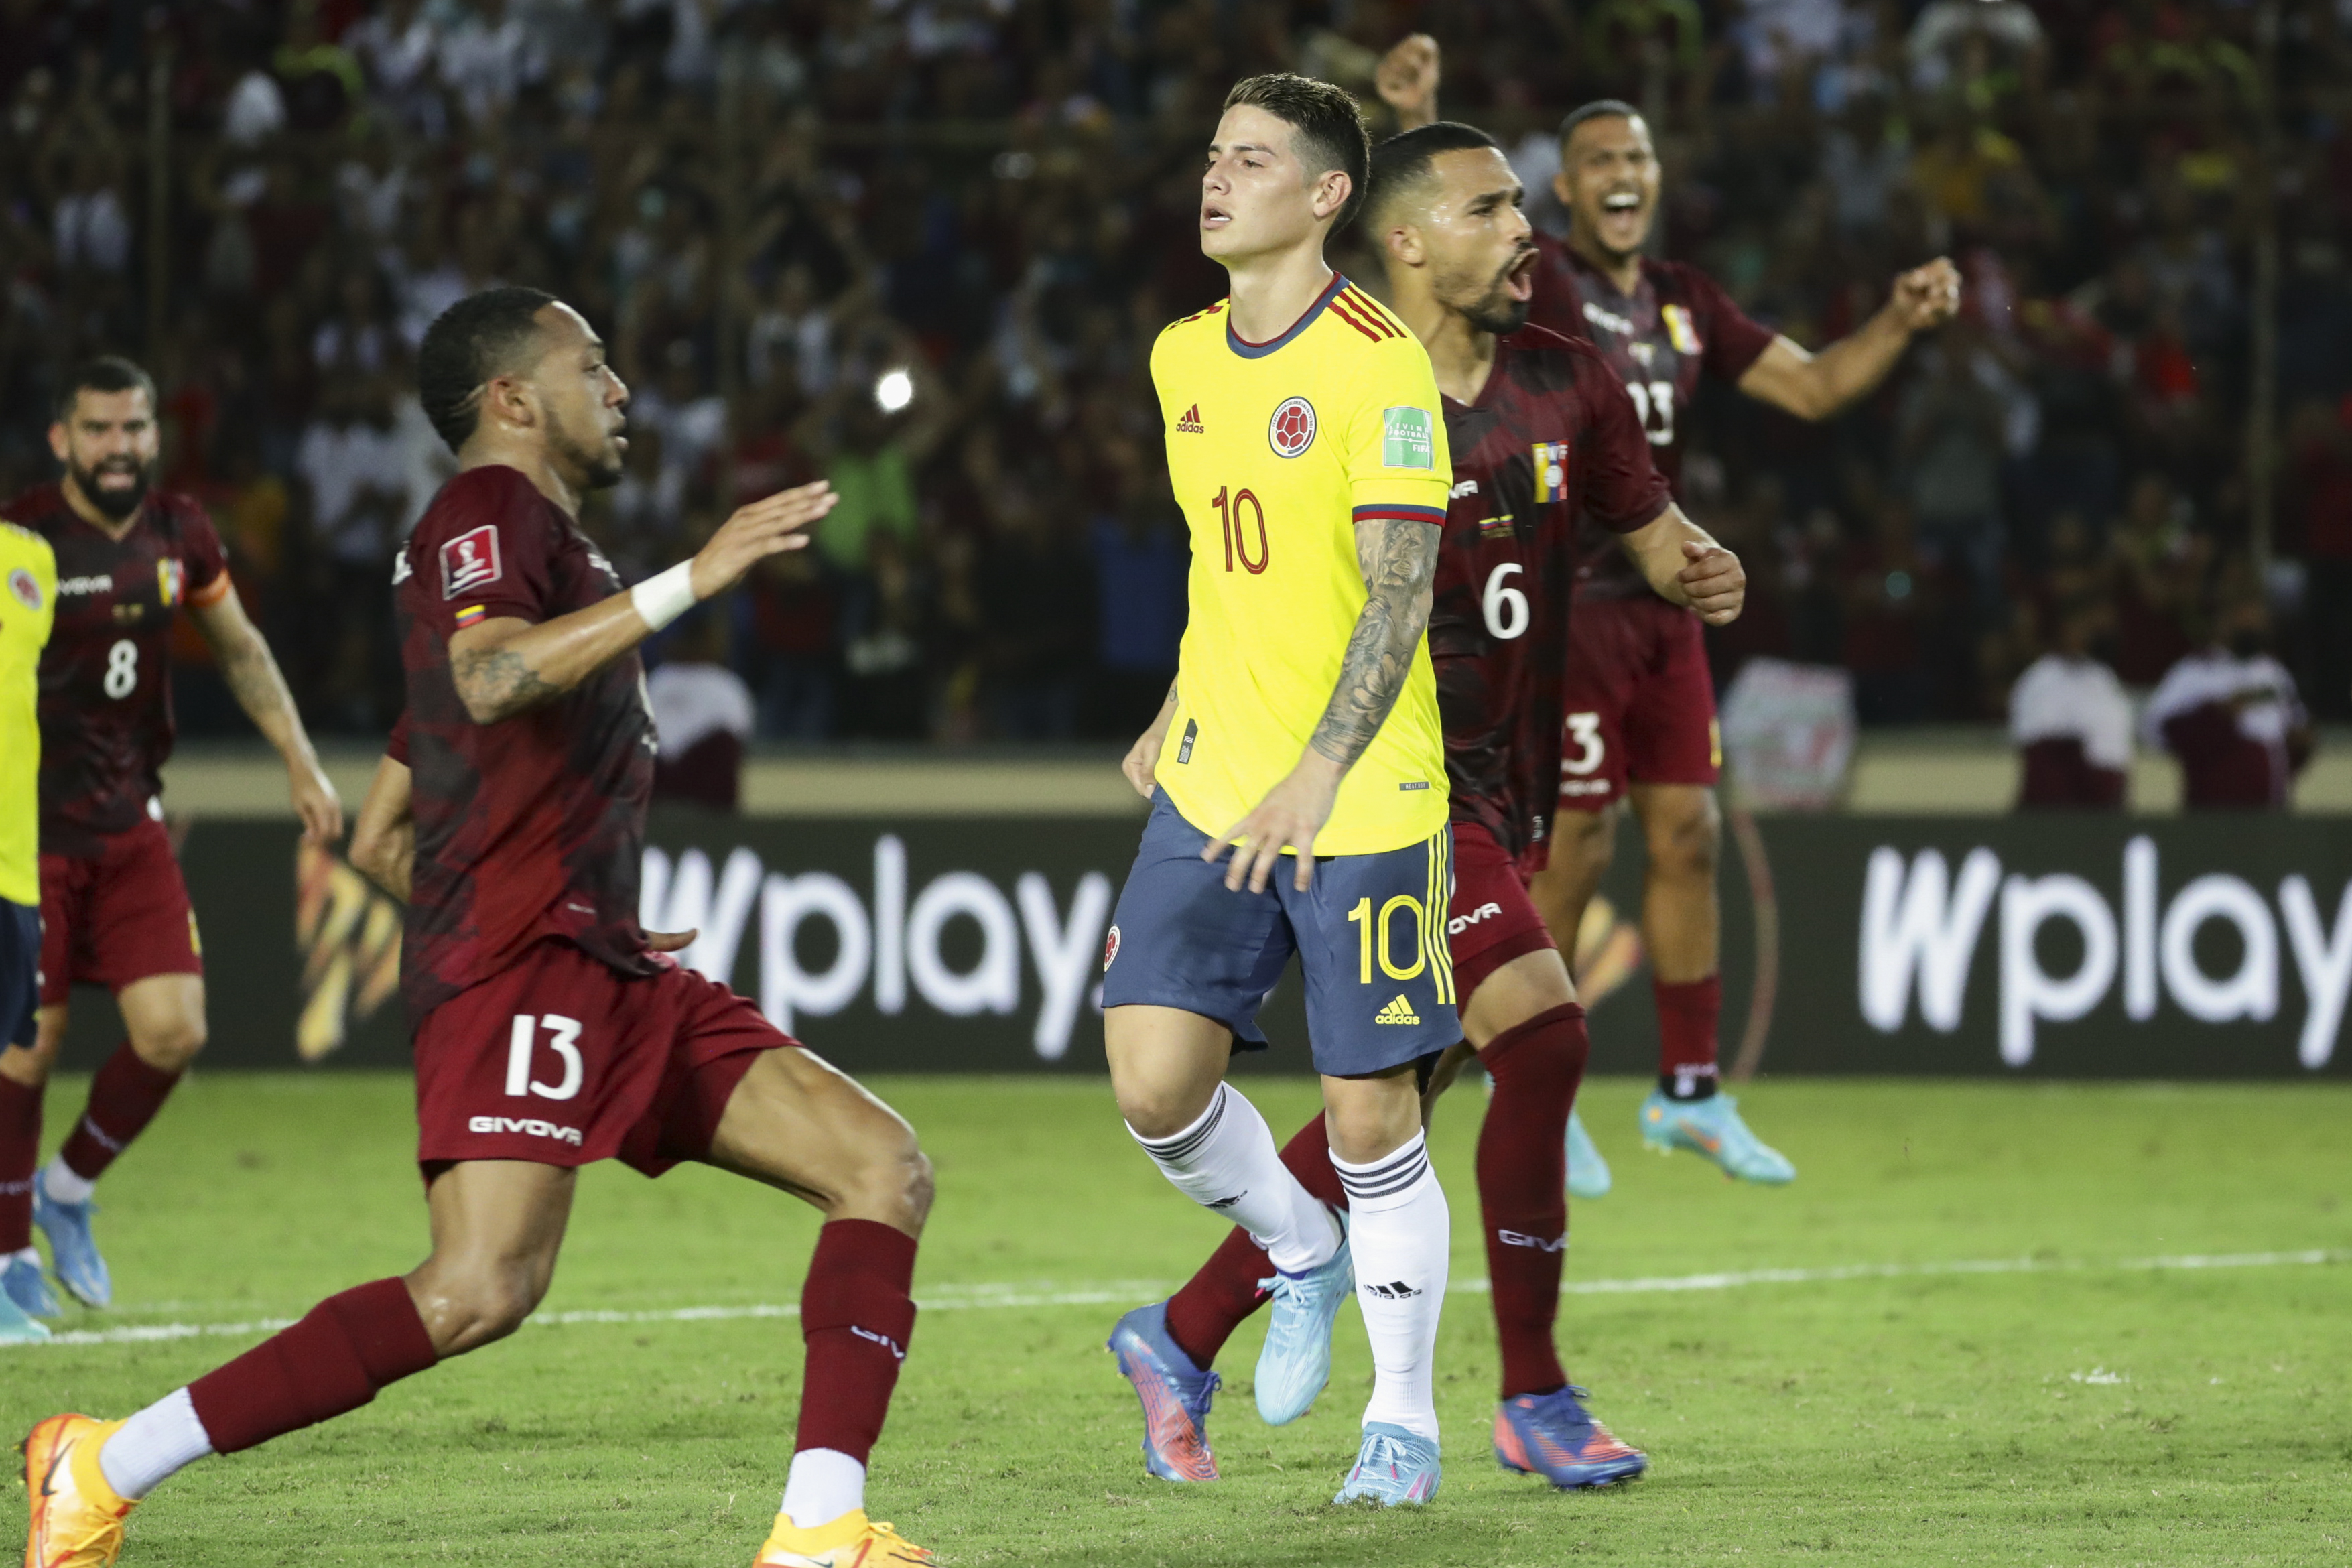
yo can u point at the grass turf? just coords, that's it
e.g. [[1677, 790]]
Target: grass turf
[[2068, 1415]]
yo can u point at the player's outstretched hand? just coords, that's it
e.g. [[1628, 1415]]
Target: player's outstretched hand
[[670, 941], [1407, 79], [315, 802], [1289, 817], [1927, 296], [766, 527], [1714, 582]]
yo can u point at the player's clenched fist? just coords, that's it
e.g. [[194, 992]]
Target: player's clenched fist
[[766, 527], [1713, 582], [1928, 296]]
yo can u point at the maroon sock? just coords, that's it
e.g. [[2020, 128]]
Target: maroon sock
[[1221, 1298], [857, 1316], [1523, 1187], [349, 1349], [124, 1099], [20, 1151], [1687, 1017]]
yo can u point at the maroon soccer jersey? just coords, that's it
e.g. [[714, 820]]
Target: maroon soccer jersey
[[533, 826], [1553, 436], [1677, 324], [106, 699]]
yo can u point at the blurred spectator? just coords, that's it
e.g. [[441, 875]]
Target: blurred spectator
[[2072, 722], [702, 717], [2230, 713]]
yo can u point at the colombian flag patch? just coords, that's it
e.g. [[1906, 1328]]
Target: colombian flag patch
[[470, 613]]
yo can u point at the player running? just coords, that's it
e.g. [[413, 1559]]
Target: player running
[[551, 1030], [29, 602], [1641, 703], [114, 909], [1541, 433], [1305, 448]]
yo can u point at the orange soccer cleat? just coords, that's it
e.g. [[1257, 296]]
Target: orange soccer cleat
[[76, 1517]]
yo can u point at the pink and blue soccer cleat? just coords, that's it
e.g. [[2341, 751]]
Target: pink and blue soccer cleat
[[1553, 1435], [1392, 1468], [1175, 1396]]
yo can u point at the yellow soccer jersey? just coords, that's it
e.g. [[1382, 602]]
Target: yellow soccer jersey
[[28, 604], [1277, 451]]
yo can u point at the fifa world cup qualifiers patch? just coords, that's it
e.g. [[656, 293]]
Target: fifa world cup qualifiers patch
[[1406, 441], [470, 561]]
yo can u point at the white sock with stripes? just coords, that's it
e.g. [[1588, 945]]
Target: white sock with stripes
[[1227, 1162], [1402, 1234]]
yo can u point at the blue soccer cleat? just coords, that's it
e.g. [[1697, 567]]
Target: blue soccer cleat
[[1553, 1435], [1588, 1172], [21, 1282], [73, 1251], [17, 1327], [1175, 1396], [1393, 1466], [1295, 1361], [1712, 1127]]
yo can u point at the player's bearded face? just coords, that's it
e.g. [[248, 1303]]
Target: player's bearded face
[[111, 449], [1481, 243], [1609, 182]]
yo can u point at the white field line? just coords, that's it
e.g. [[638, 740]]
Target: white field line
[[976, 1298]]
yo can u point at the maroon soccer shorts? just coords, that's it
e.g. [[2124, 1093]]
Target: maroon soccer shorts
[[1491, 921], [561, 1060], [1640, 703], [121, 917]]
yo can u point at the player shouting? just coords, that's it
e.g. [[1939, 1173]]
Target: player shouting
[[550, 1031], [1541, 432], [1305, 448], [1640, 704], [114, 910]]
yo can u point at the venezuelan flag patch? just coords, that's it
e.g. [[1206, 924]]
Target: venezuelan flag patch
[[470, 613]]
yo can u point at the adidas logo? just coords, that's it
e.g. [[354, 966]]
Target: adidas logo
[[1191, 424], [1394, 1290], [1228, 1203], [1397, 1012]]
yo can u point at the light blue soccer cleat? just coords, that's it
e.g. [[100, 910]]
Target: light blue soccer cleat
[[1588, 1172], [1712, 1127], [73, 1252], [21, 1282], [1297, 1361], [1393, 1466], [1175, 1396], [16, 1326]]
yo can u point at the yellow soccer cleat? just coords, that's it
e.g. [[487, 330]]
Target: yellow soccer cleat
[[853, 1541], [76, 1517]]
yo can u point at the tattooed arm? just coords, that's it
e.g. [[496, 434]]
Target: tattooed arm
[[1399, 560], [253, 677]]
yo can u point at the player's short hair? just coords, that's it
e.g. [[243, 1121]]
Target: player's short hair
[[1328, 125], [1599, 108], [107, 373], [1403, 165], [473, 341]]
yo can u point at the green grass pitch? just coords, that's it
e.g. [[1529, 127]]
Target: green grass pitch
[[2078, 1409]]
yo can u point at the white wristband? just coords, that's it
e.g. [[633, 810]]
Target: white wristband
[[665, 597]]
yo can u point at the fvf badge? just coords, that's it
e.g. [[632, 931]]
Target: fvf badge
[[1551, 470]]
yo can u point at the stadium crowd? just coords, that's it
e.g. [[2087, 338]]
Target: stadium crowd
[[922, 248]]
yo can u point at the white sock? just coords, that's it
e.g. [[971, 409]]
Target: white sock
[[822, 1484], [27, 1253], [1227, 1162], [63, 1185], [1401, 1234], [165, 1438]]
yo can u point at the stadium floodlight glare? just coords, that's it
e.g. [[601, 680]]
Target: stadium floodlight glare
[[894, 390]]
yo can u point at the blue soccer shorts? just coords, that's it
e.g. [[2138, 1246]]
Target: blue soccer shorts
[[20, 970], [1370, 933]]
